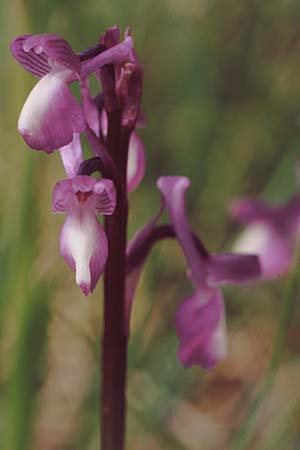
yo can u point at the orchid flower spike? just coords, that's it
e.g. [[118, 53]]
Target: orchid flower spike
[[51, 115], [271, 232], [83, 243], [200, 319]]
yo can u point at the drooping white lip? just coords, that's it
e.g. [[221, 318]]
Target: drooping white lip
[[83, 242], [80, 241]]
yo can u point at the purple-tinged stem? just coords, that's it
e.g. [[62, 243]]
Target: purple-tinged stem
[[114, 342]]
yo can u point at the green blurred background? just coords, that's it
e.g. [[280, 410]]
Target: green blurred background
[[222, 96]]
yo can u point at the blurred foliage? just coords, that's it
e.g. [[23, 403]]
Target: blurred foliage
[[222, 97]]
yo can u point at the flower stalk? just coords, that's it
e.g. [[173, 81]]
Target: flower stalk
[[114, 340]]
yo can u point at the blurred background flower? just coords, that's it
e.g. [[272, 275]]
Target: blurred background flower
[[222, 98]]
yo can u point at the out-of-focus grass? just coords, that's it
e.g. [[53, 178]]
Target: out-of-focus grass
[[222, 96], [243, 437], [24, 291], [24, 314]]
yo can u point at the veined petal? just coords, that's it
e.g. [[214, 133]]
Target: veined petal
[[173, 189], [50, 114], [37, 54], [60, 196], [232, 268], [33, 62], [136, 162], [83, 244], [106, 196], [84, 192], [200, 325], [71, 155]]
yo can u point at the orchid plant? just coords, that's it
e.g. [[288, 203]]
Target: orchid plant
[[52, 119]]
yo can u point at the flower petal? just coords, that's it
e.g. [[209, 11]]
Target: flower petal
[[271, 233], [61, 192], [110, 37], [83, 244], [104, 122], [173, 189], [275, 252], [232, 268], [71, 155], [129, 87], [249, 210], [50, 114], [106, 196], [114, 55], [136, 162], [35, 63], [89, 108], [37, 53], [200, 325], [283, 217], [102, 194]]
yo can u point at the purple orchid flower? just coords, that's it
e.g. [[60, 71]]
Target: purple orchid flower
[[51, 115], [271, 232], [200, 319], [83, 243]]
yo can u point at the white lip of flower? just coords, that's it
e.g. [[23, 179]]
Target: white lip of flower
[[38, 101], [81, 239]]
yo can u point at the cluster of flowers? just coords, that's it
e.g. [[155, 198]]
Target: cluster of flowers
[[51, 119]]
